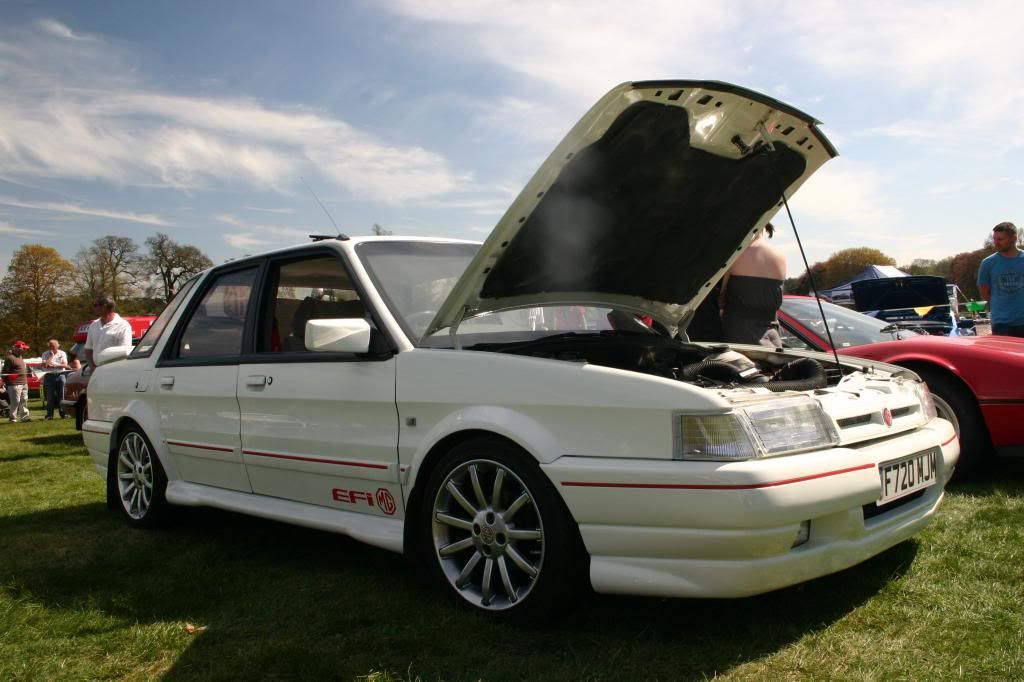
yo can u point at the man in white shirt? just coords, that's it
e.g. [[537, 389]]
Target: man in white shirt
[[109, 331], [55, 361]]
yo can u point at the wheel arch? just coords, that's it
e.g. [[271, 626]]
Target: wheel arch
[[139, 414], [924, 367], [429, 461]]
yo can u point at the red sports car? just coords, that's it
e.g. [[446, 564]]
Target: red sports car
[[977, 381]]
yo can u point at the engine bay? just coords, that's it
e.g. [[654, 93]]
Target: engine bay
[[715, 366]]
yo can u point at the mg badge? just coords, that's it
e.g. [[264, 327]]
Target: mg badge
[[887, 417]]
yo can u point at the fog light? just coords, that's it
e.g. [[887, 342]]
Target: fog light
[[803, 534]]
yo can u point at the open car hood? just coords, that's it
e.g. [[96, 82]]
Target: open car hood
[[645, 203]]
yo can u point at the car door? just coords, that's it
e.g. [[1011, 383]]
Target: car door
[[197, 379], [317, 427]]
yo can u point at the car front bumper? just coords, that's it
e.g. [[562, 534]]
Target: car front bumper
[[727, 529]]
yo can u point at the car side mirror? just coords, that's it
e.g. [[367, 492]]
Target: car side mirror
[[350, 335], [108, 355]]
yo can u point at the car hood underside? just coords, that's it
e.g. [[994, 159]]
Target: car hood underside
[[644, 204]]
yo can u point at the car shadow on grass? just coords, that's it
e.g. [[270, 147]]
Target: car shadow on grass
[[288, 602], [71, 440], [1001, 475]]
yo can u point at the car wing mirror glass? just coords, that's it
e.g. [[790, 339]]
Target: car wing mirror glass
[[108, 355], [349, 335]]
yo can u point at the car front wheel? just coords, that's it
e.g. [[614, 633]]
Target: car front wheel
[[956, 404], [495, 535], [136, 482]]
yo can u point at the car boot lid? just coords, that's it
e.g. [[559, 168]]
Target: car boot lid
[[645, 203]]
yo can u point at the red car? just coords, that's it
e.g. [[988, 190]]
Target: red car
[[74, 390], [977, 381]]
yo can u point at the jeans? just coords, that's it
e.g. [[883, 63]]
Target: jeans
[[54, 385], [1008, 330]]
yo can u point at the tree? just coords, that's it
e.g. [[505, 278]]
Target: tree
[[925, 266], [840, 267], [964, 270], [843, 265], [32, 296], [110, 267], [380, 231], [172, 264]]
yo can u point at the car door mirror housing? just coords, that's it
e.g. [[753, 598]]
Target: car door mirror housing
[[108, 355], [349, 335]]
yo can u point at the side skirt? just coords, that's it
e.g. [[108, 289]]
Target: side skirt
[[379, 532]]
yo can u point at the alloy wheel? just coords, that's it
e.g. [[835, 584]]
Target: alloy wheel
[[488, 534], [135, 475]]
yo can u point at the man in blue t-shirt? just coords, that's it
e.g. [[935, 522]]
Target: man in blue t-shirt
[[1001, 282]]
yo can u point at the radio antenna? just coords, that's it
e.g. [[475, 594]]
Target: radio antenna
[[321, 205]]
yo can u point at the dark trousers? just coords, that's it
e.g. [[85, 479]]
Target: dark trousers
[[1007, 330], [53, 384]]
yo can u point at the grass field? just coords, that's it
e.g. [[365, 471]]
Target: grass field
[[221, 596]]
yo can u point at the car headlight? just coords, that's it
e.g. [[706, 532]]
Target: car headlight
[[924, 395], [768, 429]]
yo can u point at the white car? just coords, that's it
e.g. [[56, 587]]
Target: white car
[[507, 415]]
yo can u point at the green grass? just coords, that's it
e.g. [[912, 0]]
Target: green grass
[[82, 596]]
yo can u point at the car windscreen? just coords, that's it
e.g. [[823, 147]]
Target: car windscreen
[[848, 327], [415, 278]]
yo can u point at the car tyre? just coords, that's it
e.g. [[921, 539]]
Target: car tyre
[[494, 534], [955, 403], [80, 414], [136, 482]]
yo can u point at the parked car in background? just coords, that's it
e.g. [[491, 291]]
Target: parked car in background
[[498, 413], [977, 382], [74, 402], [920, 301]]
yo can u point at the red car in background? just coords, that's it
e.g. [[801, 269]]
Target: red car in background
[[977, 382], [74, 390]]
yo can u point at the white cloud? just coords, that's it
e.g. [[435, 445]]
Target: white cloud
[[845, 194], [7, 228], [77, 209], [583, 48], [246, 240], [74, 108], [260, 235], [269, 210]]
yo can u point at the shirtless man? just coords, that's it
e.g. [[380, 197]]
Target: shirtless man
[[752, 293]]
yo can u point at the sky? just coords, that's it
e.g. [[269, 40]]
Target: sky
[[215, 122]]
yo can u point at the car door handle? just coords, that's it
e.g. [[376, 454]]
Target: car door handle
[[256, 380], [166, 382]]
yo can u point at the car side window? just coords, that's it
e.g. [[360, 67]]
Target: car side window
[[217, 324], [791, 340], [312, 288], [144, 347]]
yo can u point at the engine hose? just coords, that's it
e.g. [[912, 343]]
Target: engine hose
[[711, 369], [802, 374]]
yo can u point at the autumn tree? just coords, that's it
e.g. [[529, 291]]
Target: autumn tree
[[172, 264], [840, 267], [32, 296]]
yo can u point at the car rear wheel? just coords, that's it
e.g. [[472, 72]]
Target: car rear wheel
[[136, 482], [956, 404], [494, 533]]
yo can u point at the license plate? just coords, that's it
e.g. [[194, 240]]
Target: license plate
[[902, 477]]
